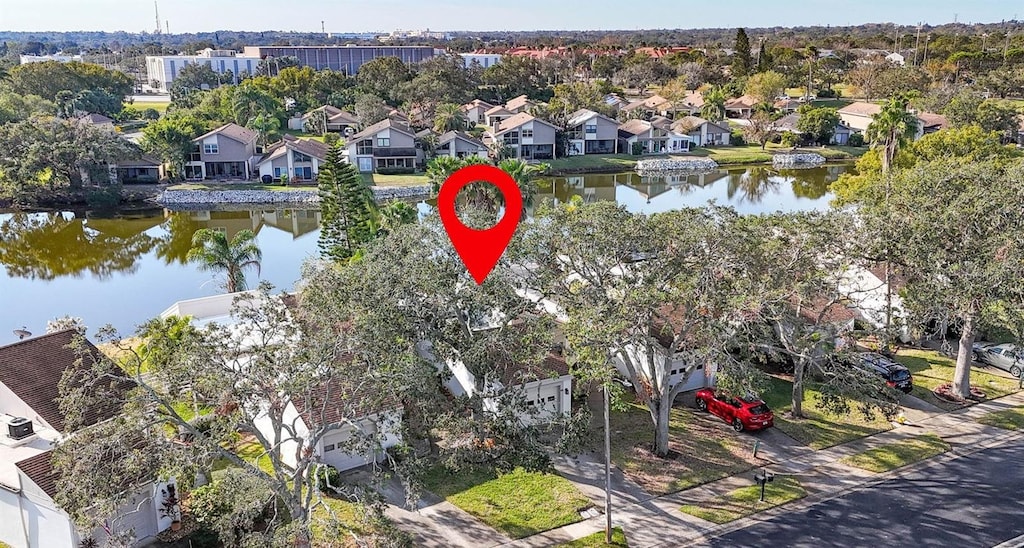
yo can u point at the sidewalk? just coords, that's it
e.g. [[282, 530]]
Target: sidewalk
[[656, 521]]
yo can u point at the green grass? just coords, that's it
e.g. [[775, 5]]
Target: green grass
[[821, 429], [376, 179], [593, 163], [831, 103], [898, 454], [518, 504], [159, 107], [239, 186], [930, 369], [334, 522], [252, 451], [746, 501], [1007, 419], [597, 540], [702, 450]]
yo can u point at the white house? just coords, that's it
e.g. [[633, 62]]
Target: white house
[[299, 159], [458, 144], [476, 111], [485, 60], [25, 59], [656, 136], [896, 59], [529, 137], [865, 291], [591, 133], [31, 425], [366, 431]]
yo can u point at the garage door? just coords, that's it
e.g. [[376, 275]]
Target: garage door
[[546, 400]]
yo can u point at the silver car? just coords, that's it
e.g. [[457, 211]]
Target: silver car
[[1003, 356]]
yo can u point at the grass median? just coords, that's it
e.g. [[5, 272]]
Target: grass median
[[1007, 419], [747, 500], [597, 540], [899, 454]]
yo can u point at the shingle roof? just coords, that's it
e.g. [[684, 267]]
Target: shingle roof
[[861, 108], [517, 103], [337, 399], [635, 126], [33, 368], [309, 147], [329, 109], [40, 471], [552, 366], [94, 118], [496, 110], [741, 102], [477, 103], [452, 135], [387, 123], [931, 120], [518, 120], [232, 131]]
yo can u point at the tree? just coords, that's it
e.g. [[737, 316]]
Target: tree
[[47, 78], [233, 379], [525, 175], [249, 102], [741, 61], [966, 144], [170, 139], [891, 128], [999, 117], [864, 78], [346, 206], [395, 214], [383, 76], [954, 228], [449, 117], [64, 323], [764, 58], [570, 97], [212, 250], [15, 107], [195, 76], [513, 76], [714, 104], [962, 109], [646, 294], [370, 109], [819, 123], [96, 101], [766, 86], [760, 128]]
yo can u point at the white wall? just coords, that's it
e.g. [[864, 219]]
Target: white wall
[[11, 404], [290, 416]]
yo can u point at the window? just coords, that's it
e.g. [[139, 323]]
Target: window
[[300, 157], [329, 447], [591, 128], [195, 155], [511, 138], [383, 142], [364, 147], [551, 398], [527, 134], [277, 173], [210, 148]]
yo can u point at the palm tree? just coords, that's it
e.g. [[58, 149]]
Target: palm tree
[[266, 125], [714, 104], [248, 102], [449, 117], [525, 175], [440, 168], [891, 128], [212, 250], [394, 214]]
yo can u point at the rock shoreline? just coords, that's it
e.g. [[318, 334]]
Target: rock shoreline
[[803, 159], [675, 165], [174, 198]]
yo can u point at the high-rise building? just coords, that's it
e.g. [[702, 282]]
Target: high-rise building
[[345, 59], [161, 70]]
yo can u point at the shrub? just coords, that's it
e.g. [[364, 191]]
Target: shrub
[[637, 149], [829, 93], [736, 138], [396, 170], [104, 196], [855, 140], [789, 139], [328, 478], [330, 139], [150, 114]]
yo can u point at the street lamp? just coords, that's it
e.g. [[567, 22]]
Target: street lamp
[[608, 461], [763, 478]]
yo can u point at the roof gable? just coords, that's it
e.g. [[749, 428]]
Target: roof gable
[[33, 368], [453, 135], [40, 470], [232, 131], [518, 120], [861, 108], [387, 123]]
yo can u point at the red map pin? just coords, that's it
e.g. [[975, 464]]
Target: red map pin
[[480, 249]]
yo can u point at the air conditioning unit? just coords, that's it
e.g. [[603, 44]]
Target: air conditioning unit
[[19, 428]]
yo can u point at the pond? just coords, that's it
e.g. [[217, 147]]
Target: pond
[[126, 266]]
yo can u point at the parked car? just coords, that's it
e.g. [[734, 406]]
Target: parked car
[[1003, 356], [747, 413], [895, 374]]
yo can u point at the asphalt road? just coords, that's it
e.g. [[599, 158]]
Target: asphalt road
[[976, 500]]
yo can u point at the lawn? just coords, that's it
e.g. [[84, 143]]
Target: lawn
[[930, 369], [593, 163], [898, 454], [820, 429], [1008, 419], [376, 179], [239, 186], [251, 451], [702, 450], [597, 540], [518, 504], [745, 501], [332, 522], [143, 105]]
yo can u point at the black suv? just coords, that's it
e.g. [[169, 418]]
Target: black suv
[[895, 374]]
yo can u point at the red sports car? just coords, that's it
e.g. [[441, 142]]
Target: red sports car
[[742, 413]]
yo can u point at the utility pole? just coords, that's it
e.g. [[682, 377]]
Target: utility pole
[[323, 28], [917, 44], [156, 10], [608, 468]]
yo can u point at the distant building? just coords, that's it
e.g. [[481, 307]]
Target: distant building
[[161, 70], [484, 59], [26, 59], [345, 59], [405, 34]]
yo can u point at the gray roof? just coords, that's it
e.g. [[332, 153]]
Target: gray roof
[[584, 114], [387, 123], [232, 131], [452, 135]]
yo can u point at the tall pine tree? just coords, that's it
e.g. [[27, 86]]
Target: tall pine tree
[[764, 59], [348, 211], [741, 62]]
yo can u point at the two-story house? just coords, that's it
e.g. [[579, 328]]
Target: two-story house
[[519, 104], [655, 105], [228, 152], [591, 133], [298, 159], [702, 132], [475, 111], [495, 115], [31, 426], [332, 118], [458, 144], [651, 137], [388, 145], [529, 137]]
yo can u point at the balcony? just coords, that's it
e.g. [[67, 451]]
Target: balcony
[[394, 152]]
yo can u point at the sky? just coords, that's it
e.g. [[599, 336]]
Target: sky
[[341, 16]]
